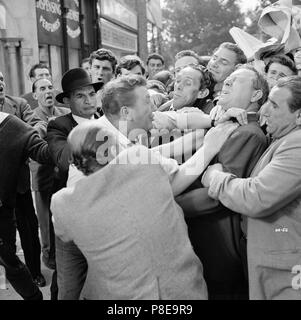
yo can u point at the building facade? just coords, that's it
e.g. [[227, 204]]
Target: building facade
[[61, 33]]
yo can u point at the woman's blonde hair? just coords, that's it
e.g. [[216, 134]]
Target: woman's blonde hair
[[91, 146]]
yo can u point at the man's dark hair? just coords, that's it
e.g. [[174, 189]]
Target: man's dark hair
[[34, 85], [204, 60], [155, 56], [205, 80], [129, 62], [119, 92], [293, 84], [283, 60], [164, 76], [259, 83], [37, 66], [156, 85], [102, 55], [240, 56], [187, 53]]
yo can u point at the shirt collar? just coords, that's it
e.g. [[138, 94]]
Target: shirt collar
[[3, 116], [80, 120]]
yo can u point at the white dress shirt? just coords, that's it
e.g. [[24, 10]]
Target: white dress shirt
[[3, 116]]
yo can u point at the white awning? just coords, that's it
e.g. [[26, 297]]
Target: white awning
[[2, 17]]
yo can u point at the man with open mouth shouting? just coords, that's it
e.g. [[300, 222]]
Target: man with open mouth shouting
[[43, 174]]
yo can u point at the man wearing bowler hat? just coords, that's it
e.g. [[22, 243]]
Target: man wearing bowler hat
[[79, 93]]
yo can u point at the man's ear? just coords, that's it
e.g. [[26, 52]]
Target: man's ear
[[298, 118], [257, 95], [34, 94], [203, 93], [125, 113]]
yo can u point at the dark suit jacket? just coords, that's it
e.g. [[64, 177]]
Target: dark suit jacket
[[215, 231], [24, 142], [21, 109], [57, 134]]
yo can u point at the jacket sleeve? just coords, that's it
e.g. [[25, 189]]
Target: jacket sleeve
[[239, 155], [28, 116], [58, 147], [241, 152], [276, 185], [36, 148]]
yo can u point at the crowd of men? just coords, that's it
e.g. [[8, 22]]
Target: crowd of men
[[154, 184]]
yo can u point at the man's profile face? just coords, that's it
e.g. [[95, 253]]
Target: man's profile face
[[41, 73], [2, 86], [82, 102], [277, 71], [142, 110], [222, 64], [154, 66], [101, 71], [187, 88], [44, 93], [184, 62], [238, 90], [279, 118], [136, 70]]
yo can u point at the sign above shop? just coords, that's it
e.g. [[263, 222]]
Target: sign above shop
[[49, 18], [116, 37], [119, 11], [73, 23]]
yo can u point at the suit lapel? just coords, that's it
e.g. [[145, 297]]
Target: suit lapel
[[72, 121], [9, 107]]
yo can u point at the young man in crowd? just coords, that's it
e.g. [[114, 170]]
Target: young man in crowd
[[102, 65], [38, 71], [278, 67], [155, 63], [102, 69], [225, 59], [130, 65]]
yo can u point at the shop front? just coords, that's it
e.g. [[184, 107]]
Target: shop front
[[119, 26]]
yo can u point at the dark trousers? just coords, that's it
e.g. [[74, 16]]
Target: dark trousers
[[16, 272], [28, 228], [218, 242]]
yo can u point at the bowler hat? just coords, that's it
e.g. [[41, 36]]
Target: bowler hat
[[75, 79]]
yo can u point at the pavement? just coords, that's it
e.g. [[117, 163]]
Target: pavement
[[10, 294]]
